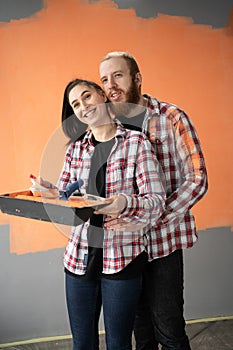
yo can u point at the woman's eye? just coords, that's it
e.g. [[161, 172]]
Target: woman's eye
[[76, 105], [87, 96]]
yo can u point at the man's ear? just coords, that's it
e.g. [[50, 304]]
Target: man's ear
[[138, 79]]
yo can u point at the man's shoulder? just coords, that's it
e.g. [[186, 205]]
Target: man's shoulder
[[171, 110]]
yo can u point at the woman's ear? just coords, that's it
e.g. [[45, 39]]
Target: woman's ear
[[105, 97]]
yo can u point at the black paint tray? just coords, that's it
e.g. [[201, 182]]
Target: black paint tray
[[70, 212]]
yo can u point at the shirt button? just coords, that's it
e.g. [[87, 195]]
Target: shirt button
[[158, 142]]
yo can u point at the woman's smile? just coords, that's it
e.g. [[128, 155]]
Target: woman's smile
[[89, 113]]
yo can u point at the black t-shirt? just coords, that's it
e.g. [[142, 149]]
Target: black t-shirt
[[132, 123], [96, 186]]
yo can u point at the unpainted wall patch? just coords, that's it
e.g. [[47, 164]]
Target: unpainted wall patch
[[215, 13], [13, 9]]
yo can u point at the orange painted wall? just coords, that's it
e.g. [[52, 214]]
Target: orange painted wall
[[181, 62]]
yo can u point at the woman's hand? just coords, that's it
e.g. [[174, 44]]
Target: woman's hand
[[53, 190], [112, 220], [45, 183], [114, 209]]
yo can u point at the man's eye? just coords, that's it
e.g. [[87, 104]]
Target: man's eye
[[104, 81], [118, 75]]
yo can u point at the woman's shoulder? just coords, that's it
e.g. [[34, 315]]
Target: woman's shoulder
[[136, 134], [129, 133], [77, 145], [134, 137]]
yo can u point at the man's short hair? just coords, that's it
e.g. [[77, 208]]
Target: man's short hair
[[132, 64]]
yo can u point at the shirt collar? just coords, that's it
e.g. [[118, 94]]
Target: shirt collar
[[152, 104], [120, 131]]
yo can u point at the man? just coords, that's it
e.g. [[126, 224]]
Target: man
[[160, 317]]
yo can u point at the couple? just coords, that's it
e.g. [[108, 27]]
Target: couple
[[128, 256]]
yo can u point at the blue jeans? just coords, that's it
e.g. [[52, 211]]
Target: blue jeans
[[119, 299], [159, 317]]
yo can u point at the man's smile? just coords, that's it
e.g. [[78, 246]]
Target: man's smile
[[115, 95]]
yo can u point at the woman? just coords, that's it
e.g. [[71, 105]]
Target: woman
[[103, 266]]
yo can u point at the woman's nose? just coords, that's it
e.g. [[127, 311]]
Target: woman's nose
[[84, 105]]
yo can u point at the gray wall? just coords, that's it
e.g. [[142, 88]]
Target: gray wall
[[214, 13], [32, 303], [208, 275]]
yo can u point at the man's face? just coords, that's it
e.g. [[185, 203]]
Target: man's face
[[119, 85]]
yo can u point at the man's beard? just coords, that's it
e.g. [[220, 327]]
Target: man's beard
[[132, 99]]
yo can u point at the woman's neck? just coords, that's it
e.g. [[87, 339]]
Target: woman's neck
[[104, 132]]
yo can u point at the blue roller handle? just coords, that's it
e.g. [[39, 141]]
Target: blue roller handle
[[74, 186]]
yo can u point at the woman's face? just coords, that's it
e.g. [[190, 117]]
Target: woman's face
[[88, 104]]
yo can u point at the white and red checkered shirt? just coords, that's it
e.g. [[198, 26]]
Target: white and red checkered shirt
[[179, 153], [133, 170]]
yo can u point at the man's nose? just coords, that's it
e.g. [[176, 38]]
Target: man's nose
[[111, 83]]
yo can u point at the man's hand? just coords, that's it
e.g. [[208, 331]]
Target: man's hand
[[115, 208], [120, 224]]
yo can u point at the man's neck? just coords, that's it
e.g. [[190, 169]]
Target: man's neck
[[138, 108], [143, 101], [129, 110]]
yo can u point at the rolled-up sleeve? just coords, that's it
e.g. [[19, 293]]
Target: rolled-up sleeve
[[148, 202]]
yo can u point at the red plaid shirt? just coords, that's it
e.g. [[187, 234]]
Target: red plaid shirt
[[133, 170], [178, 150]]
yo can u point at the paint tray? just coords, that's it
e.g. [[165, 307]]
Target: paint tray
[[72, 212]]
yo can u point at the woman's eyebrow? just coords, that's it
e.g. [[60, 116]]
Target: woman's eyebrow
[[80, 96]]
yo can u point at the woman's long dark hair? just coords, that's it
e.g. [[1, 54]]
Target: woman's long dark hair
[[72, 127]]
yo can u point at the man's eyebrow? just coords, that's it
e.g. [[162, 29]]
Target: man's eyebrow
[[117, 71], [103, 77]]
